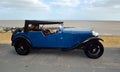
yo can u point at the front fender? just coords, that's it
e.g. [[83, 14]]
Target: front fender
[[92, 39], [81, 45]]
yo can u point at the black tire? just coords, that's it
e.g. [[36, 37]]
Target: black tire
[[22, 46], [94, 49]]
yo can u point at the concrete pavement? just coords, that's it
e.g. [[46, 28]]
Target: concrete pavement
[[47, 60]]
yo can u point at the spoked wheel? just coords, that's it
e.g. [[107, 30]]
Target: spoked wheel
[[22, 47], [94, 50]]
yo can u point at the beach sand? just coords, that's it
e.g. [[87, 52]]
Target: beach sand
[[5, 38], [109, 41]]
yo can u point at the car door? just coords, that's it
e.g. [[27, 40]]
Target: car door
[[54, 40], [38, 39]]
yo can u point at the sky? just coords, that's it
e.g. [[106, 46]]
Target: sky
[[60, 9]]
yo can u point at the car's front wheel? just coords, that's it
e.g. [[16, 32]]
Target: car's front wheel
[[22, 47], [94, 49]]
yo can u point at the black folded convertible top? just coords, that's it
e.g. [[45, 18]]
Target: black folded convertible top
[[41, 22], [27, 22]]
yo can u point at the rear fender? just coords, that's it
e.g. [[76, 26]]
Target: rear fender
[[21, 37]]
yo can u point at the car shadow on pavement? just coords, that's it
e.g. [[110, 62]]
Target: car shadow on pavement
[[58, 52], [54, 52], [48, 52]]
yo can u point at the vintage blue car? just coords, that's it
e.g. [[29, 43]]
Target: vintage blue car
[[48, 34]]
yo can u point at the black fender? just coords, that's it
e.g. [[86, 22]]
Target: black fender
[[21, 37], [83, 44], [92, 39]]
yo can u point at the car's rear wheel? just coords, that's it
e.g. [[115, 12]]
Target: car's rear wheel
[[22, 47], [94, 49]]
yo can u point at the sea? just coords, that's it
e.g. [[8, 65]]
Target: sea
[[102, 27]]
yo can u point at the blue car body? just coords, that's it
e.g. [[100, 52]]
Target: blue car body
[[35, 35], [62, 39]]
